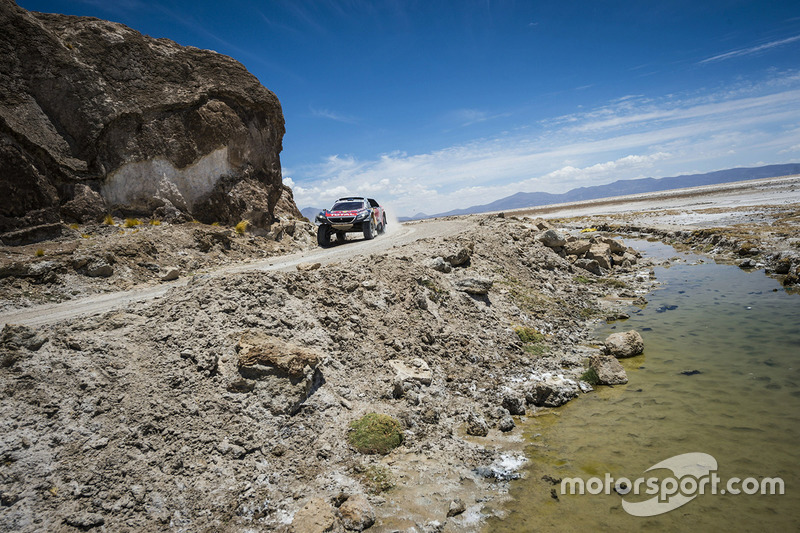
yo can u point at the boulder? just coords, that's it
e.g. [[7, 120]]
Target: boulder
[[514, 403], [552, 238], [616, 247], [96, 116], [460, 258], [551, 390], [600, 252], [316, 516], [624, 344], [439, 264], [257, 349], [590, 265], [86, 205], [14, 337], [171, 274], [577, 247], [476, 425], [608, 369], [477, 286], [356, 513], [99, 268]]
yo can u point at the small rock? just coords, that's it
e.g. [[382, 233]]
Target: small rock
[[506, 424], [85, 520], [608, 369], [440, 265], [477, 286], [417, 370], [457, 507], [460, 258], [476, 425], [624, 344], [552, 238], [308, 267], [515, 403], [172, 274], [99, 268], [356, 513], [7, 499]]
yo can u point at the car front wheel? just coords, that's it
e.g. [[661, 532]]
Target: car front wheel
[[369, 229], [324, 235]]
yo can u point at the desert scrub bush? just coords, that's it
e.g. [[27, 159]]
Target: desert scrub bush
[[215, 224], [39, 252], [590, 377], [108, 220], [241, 227], [375, 433], [583, 279], [155, 222], [377, 479], [615, 283], [132, 222], [528, 335], [86, 236], [74, 225]]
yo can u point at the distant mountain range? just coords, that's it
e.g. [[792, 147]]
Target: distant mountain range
[[620, 188], [310, 213]]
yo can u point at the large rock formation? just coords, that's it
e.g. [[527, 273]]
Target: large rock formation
[[96, 117]]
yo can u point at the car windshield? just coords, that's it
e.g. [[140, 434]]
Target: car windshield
[[347, 206]]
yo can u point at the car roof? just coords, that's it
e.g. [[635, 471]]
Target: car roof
[[350, 199]]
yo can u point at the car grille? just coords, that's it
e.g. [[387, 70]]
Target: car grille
[[341, 220]]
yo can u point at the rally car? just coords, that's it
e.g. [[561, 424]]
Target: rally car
[[348, 215]]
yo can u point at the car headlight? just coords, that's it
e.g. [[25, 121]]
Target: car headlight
[[321, 218], [362, 215]]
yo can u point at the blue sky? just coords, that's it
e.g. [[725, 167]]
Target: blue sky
[[430, 106]]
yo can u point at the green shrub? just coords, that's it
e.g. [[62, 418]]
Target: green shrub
[[375, 433], [241, 227], [529, 335], [590, 377]]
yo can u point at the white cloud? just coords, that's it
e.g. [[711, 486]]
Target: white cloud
[[629, 138], [750, 50], [333, 115]]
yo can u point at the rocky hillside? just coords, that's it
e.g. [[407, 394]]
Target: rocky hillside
[[96, 118], [227, 404]]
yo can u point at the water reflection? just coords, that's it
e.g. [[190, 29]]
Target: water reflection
[[719, 376]]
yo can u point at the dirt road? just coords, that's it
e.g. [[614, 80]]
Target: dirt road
[[397, 235]]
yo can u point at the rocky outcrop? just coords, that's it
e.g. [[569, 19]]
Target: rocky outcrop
[[96, 117]]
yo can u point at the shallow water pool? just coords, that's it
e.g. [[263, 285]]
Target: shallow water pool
[[719, 376]]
